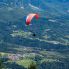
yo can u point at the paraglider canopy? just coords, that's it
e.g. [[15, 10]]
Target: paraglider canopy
[[30, 17]]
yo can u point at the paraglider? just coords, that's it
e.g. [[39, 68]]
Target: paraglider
[[34, 34], [30, 17]]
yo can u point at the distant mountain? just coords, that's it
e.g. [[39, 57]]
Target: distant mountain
[[52, 6], [14, 12], [46, 8]]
